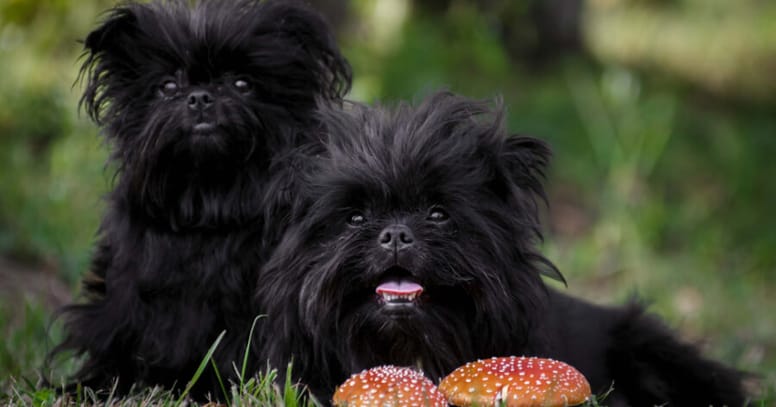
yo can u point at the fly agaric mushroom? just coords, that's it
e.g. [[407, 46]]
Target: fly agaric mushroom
[[515, 382], [388, 386]]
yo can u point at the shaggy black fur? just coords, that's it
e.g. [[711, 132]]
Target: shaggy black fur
[[206, 108], [439, 195]]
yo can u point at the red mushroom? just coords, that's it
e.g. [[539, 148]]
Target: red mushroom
[[388, 386], [515, 382]]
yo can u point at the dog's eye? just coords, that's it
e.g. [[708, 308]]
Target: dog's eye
[[168, 88], [437, 214], [356, 219], [242, 85]]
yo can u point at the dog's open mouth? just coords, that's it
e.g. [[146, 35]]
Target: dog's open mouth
[[398, 288]]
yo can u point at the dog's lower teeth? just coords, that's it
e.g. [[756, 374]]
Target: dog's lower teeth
[[399, 298]]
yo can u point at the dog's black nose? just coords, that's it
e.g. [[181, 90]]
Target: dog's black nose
[[200, 100], [396, 237]]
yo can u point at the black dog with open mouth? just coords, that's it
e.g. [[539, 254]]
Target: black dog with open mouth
[[206, 107], [419, 248]]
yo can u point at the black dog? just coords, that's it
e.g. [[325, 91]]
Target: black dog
[[207, 108], [418, 248]]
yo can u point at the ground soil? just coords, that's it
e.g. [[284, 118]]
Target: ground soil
[[36, 283]]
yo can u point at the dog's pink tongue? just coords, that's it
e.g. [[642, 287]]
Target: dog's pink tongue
[[399, 287]]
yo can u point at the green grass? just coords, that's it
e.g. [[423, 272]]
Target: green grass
[[29, 339], [258, 390]]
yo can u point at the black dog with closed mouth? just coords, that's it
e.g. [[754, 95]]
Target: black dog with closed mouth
[[418, 248], [206, 107]]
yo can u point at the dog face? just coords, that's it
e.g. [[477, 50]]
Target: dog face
[[217, 78], [167, 73], [418, 246]]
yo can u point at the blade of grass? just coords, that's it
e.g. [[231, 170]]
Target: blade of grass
[[292, 392], [112, 393], [264, 389], [220, 381], [16, 391], [201, 367], [248, 348]]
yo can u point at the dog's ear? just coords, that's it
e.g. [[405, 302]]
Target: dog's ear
[[107, 53], [523, 161], [120, 24], [311, 46]]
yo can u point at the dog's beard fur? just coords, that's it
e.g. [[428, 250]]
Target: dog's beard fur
[[447, 177], [207, 107], [438, 196]]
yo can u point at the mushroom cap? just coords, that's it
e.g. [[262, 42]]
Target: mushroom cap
[[388, 386], [516, 381]]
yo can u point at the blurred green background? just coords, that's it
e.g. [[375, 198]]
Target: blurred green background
[[661, 113]]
